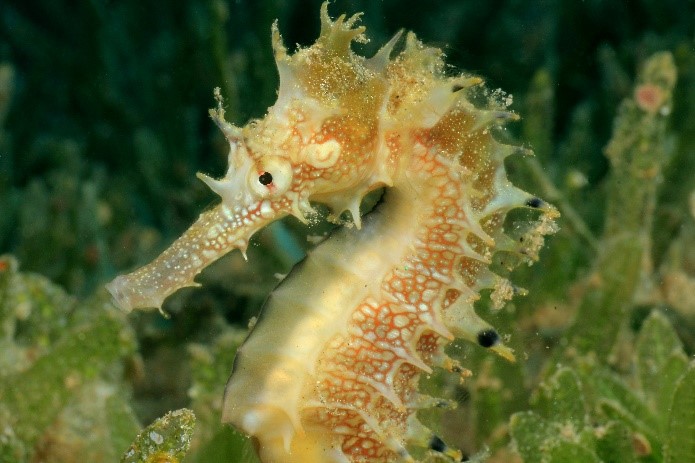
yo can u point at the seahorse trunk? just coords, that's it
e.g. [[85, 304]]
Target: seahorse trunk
[[329, 371], [264, 396]]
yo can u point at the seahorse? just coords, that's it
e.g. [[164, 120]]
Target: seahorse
[[330, 370]]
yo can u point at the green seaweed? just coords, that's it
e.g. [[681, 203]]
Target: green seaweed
[[618, 420], [626, 417], [680, 440], [638, 152], [60, 388], [166, 440]]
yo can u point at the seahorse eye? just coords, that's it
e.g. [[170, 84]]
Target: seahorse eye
[[271, 176], [266, 178]]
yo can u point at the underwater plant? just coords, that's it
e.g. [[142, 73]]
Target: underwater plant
[[61, 369]]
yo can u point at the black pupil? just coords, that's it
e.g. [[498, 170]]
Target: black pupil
[[265, 178]]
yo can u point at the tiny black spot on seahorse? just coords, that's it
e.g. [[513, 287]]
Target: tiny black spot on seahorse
[[534, 202], [437, 444], [456, 87], [488, 338]]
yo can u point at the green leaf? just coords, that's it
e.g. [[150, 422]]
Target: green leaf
[[614, 443], [561, 399], [615, 411], [613, 391], [36, 396], [529, 433], [680, 439], [167, 439], [565, 451], [656, 342], [668, 376]]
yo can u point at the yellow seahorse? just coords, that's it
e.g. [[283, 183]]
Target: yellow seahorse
[[330, 371]]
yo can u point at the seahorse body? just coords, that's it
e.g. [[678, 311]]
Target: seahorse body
[[330, 371]]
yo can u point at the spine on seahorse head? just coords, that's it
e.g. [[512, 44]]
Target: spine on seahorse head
[[329, 372]]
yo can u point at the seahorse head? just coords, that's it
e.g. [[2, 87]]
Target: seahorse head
[[342, 126], [319, 142]]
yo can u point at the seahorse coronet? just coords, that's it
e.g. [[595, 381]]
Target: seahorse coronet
[[329, 372]]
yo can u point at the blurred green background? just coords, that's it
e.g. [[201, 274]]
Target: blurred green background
[[103, 125]]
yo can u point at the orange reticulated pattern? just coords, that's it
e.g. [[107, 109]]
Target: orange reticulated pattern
[[367, 378], [357, 136]]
